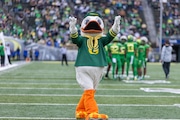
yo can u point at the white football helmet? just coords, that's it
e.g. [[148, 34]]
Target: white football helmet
[[144, 39], [123, 37]]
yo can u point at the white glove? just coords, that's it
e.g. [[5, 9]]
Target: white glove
[[116, 25], [72, 25]]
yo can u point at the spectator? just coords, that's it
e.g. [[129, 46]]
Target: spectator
[[18, 53], [31, 54], [171, 15], [13, 54], [25, 54], [36, 54], [2, 54], [64, 52], [8, 51], [52, 16], [166, 57], [49, 42]]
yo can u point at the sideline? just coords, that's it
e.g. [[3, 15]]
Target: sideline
[[8, 67], [13, 65]]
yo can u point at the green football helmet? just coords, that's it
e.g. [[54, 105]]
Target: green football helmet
[[130, 38]]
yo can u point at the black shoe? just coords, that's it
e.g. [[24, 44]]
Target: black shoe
[[106, 76], [167, 77]]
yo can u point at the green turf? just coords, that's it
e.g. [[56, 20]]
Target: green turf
[[46, 89]]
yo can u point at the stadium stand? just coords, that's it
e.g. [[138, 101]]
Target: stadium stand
[[46, 21], [171, 16]]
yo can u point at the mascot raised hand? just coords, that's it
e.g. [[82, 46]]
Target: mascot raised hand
[[91, 61]]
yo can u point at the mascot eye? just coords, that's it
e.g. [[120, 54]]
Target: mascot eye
[[99, 21], [86, 22]]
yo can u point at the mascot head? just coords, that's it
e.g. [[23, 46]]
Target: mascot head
[[92, 25]]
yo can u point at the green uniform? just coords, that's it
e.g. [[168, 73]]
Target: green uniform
[[108, 57], [2, 55], [131, 48], [122, 54], [1, 50], [91, 49], [140, 57], [146, 52], [115, 49]]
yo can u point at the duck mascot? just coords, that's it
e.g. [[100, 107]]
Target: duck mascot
[[91, 60]]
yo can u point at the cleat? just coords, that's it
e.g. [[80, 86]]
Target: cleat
[[96, 116], [81, 115], [114, 77], [135, 78], [120, 77], [127, 78], [106, 76], [167, 77], [139, 78]]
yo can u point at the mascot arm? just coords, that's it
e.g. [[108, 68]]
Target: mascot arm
[[109, 37], [76, 39], [72, 25], [116, 24]]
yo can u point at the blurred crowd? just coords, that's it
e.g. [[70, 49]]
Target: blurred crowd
[[171, 16], [46, 21]]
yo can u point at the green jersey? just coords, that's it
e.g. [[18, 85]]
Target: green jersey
[[114, 48], [1, 50], [146, 50], [91, 49], [130, 48], [141, 52], [123, 48]]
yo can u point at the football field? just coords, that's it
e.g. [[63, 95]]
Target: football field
[[45, 90]]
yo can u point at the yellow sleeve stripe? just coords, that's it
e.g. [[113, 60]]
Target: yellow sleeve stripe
[[112, 33], [74, 35]]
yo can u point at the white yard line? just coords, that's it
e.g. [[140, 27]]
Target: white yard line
[[78, 95], [31, 88], [64, 83], [34, 83], [104, 105], [148, 81], [35, 118], [41, 82], [46, 118], [166, 90]]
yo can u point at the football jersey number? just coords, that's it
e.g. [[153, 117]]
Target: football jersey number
[[122, 50], [114, 49], [130, 47]]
